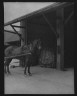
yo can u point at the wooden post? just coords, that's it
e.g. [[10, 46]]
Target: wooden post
[[60, 39], [22, 30], [68, 18], [16, 31], [26, 32], [24, 36]]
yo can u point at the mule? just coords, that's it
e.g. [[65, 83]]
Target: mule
[[14, 50], [36, 46]]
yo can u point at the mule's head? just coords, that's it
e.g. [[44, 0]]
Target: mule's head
[[37, 44], [27, 48], [24, 48]]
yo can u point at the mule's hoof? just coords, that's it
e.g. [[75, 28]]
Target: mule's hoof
[[25, 74], [30, 74], [9, 73]]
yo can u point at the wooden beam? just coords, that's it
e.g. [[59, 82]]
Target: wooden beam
[[16, 32], [50, 25], [68, 18], [62, 39], [23, 30], [50, 7], [60, 31], [23, 34], [26, 31], [18, 26]]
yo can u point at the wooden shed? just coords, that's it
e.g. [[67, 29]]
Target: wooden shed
[[54, 25]]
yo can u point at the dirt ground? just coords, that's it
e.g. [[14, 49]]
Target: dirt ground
[[42, 81]]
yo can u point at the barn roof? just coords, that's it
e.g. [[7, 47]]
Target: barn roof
[[53, 6]]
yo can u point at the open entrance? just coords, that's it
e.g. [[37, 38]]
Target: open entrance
[[38, 28]]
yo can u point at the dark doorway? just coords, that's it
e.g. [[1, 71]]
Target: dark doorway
[[37, 28]]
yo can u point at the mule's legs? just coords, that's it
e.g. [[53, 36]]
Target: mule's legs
[[29, 65], [8, 69], [8, 62], [5, 69], [25, 69], [29, 70], [5, 66], [26, 65]]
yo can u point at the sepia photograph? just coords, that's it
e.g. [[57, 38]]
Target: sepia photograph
[[38, 47]]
